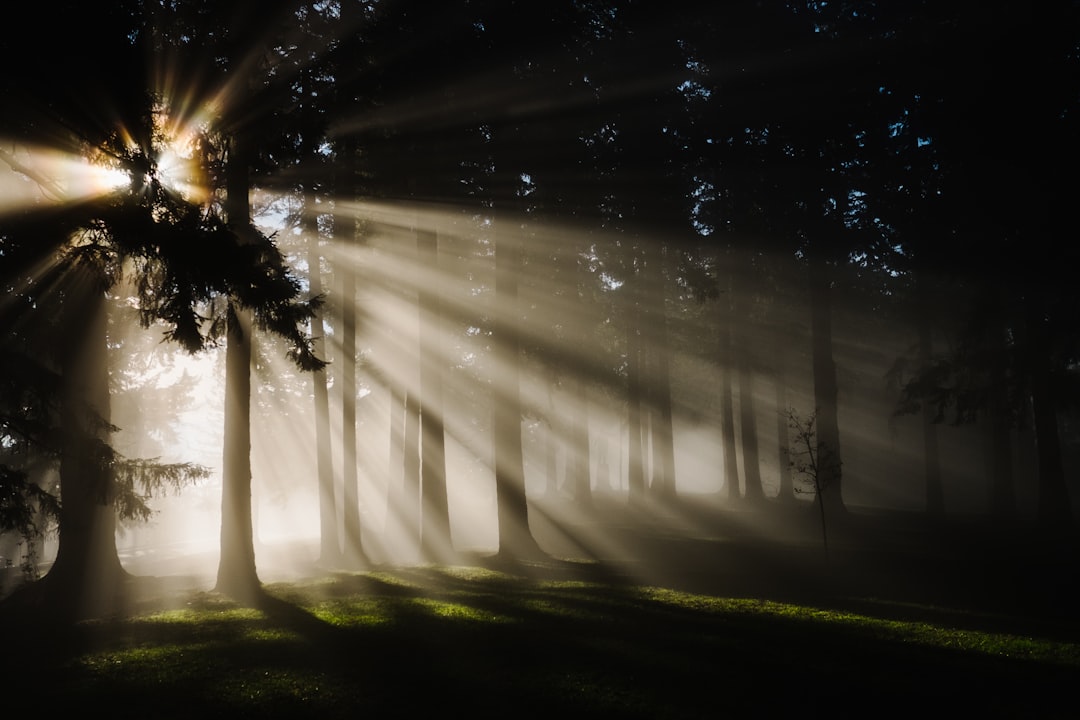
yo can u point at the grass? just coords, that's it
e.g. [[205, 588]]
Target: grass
[[496, 643]]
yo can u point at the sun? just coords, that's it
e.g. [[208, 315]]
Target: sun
[[182, 153]]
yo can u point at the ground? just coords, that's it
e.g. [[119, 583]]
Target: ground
[[673, 622]]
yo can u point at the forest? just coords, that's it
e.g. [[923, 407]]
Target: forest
[[781, 290]]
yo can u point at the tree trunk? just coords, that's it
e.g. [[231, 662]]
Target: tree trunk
[[1054, 505], [395, 528], [410, 506], [329, 542], [345, 232], [825, 387], [515, 538], [603, 469], [577, 461], [634, 397], [236, 567], [551, 436], [748, 424], [727, 400], [741, 302], [660, 383], [786, 492], [436, 541], [86, 576], [409, 511]]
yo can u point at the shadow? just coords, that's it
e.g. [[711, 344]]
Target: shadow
[[399, 642], [294, 618]]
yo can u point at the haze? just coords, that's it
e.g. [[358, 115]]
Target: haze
[[573, 271]]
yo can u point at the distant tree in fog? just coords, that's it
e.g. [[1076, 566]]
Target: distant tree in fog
[[814, 461]]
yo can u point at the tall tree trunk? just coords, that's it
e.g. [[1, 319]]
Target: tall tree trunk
[[406, 507], [395, 528], [748, 424], [352, 549], [577, 384], [604, 483], [329, 542], [826, 390], [634, 398], [86, 573], [515, 538], [436, 541], [1054, 505], [411, 517], [577, 461], [741, 303], [727, 400], [345, 232], [660, 383], [551, 448], [236, 567], [786, 493]]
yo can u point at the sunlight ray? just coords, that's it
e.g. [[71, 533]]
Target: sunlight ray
[[34, 176]]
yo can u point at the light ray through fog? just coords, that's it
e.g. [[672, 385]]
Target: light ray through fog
[[39, 176], [581, 289], [391, 276], [553, 328], [563, 342]]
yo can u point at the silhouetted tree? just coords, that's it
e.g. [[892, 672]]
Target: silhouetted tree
[[661, 423], [982, 213], [515, 538], [814, 461], [262, 293], [727, 402], [236, 574], [154, 230], [346, 232]]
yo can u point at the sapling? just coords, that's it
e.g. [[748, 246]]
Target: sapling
[[813, 461]]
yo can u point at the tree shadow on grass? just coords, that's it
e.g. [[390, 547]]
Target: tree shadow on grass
[[561, 636], [399, 642]]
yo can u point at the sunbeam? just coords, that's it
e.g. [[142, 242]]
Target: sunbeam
[[419, 334], [35, 176]]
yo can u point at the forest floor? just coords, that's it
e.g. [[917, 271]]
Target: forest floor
[[691, 612]]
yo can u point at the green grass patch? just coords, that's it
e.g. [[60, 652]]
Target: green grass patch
[[883, 630], [397, 644]]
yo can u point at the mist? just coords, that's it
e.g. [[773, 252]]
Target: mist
[[171, 409], [744, 300], [595, 357]]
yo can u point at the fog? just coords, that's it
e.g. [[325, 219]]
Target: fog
[[168, 405], [572, 374], [622, 276]]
